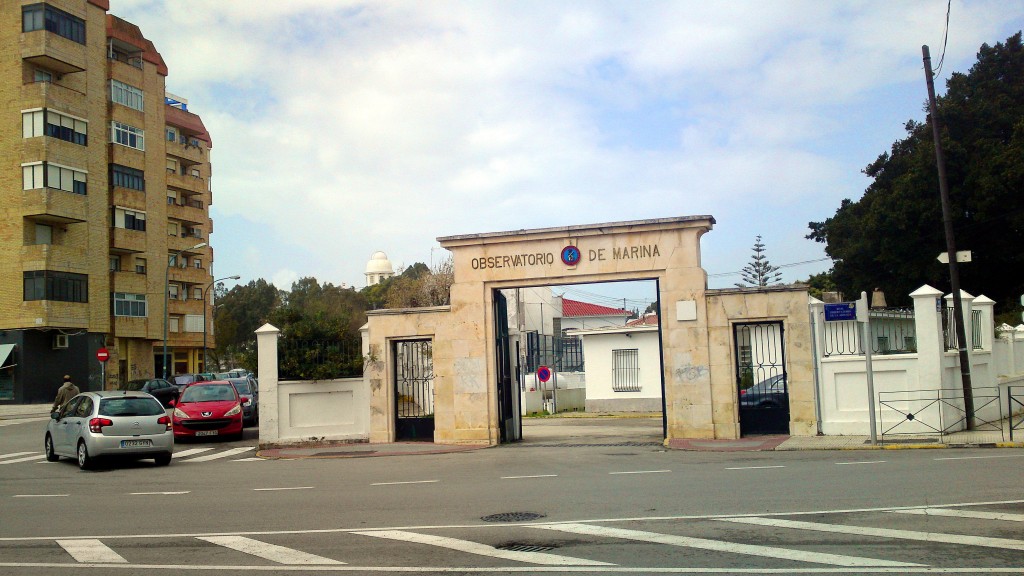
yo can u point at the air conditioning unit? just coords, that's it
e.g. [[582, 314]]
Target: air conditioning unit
[[60, 341]]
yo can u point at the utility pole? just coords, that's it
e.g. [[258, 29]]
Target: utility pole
[[947, 219]]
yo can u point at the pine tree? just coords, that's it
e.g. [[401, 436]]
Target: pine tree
[[759, 272]]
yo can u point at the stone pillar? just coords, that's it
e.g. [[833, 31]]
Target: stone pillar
[[928, 328], [266, 349]]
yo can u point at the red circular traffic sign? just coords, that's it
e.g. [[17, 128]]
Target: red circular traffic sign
[[102, 355], [543, 373]]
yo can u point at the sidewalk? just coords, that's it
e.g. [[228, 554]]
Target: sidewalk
[[20, 411]]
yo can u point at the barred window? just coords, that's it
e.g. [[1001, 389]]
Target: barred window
[[126, 95], [43, 17], [627, 370], [56, 286], [130, 305], [126, 177], [129, 136]]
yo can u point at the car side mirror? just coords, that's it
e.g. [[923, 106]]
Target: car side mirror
[[55, 415]]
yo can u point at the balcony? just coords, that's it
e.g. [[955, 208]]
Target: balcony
[[131, 282], [128, 198], [60, 257], [50, 314], [126, 156], [185, 339], [183, 307], [53, 206], [191, 184], [190, 275], [50, 95], [53, 52], [179, 243], [125, 69], [124, 241], [193, 151], [131, 327], [191, 211]]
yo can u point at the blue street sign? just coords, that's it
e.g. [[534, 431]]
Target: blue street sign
[[840, 312]]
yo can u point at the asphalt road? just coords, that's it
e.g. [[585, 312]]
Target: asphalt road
[[603, 508]]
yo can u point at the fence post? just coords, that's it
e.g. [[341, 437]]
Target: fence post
[[266, 350], [928, 329], [817, 310]]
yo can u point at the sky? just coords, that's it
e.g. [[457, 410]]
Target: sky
[[341, 128]]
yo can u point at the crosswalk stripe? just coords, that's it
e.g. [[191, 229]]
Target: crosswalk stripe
[[14, 454], [482, 549], [25, 459], [964, 514], [87, 550], [721, 546], [218, 455], [190, 452], [271, 552], [253, 459], [884, 532]]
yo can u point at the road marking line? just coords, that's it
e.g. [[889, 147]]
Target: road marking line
[[643, 472], [271, 552], [866, 462], [189, 452], [885, 532], [980, 457], [40, 495], [412, 482], [25, 459], [722, 546], [91, 551], [286, 488], [534, 476], [14, 454], [754, 467], [158, 493], [467, 546], [964, 514], [253, 459], [224, 454]]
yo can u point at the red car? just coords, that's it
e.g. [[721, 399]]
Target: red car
[[208, 409]]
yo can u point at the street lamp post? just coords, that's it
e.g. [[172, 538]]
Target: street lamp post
[[167, 300], [235, 277]]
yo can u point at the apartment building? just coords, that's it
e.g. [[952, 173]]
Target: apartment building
[[104, 205]]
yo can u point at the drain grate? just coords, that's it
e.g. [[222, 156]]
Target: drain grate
[[512, 517], [524, 548]]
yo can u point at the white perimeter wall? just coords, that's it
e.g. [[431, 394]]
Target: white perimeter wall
[[599, 364]]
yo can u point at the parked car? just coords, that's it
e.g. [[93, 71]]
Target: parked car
[[768, 393], [183, 380], [110, 424], [163, 390], [247, 390], [211, 408]]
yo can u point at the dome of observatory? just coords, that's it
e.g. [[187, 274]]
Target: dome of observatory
[[379, 264]]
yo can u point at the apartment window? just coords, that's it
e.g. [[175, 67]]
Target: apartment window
[[197, 293], [129, 136], [627, 370], [49, 175], [43, 17], [140, 265], [194, 323], [172, 135], [126, 95], [196, 174], [172, 166], [129, 219], [133, 305], [45, 122], [172, 324], [115, 263], [197, 263], [172, 197], [126, 177], [44, 234], [172, 291], [56, 286], [172, 228], [40, 75]]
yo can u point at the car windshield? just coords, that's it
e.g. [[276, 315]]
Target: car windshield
[[130, 406], [183, 380], [211, 393], [242, 386], [135, 385]]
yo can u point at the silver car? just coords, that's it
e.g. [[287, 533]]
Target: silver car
[[112, 423]]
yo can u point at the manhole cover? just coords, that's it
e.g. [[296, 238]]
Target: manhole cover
[[525, 548], [512, 517]]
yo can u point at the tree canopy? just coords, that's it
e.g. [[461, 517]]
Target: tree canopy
[[890, 238], [759, 271]]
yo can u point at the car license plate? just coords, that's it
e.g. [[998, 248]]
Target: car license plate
[[135, 443], [206, 432]]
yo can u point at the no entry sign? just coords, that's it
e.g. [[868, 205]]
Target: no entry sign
[[102, 355], [543, 373]]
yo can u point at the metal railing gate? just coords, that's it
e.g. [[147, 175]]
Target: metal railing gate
[[414, 390]]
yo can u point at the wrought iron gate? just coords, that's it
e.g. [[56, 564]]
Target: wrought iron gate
[[414, 390], [510, 424], [761, 378]]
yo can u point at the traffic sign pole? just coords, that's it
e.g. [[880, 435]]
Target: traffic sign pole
[[864, 318], [102, 355]]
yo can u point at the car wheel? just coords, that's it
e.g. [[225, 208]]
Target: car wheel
[[163, 459], [84, 460], [51, 456]]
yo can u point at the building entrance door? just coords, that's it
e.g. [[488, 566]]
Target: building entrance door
[[761, 378], [414, 390]]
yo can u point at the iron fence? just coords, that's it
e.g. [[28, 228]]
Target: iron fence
[[936, 412], [892, 332], [1015, 401], [949, 329], [564, 353], [319, 359]]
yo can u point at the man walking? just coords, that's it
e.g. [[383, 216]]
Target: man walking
[[64, 393]]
